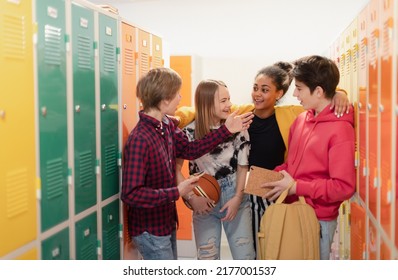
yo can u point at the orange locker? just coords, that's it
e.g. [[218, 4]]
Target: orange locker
[[363, 170], [129, 110], [358, 232], [144, 52], [157, 51], [386, 107], [373, 110], [182, 65]]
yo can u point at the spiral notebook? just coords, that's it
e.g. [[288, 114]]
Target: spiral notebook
[[257, 176]]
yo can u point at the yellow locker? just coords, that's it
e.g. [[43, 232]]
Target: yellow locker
[[18, 221], [29, 255]]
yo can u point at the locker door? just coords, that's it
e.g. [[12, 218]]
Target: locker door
[[129, 108], [110, 154], [358, 232], [362, 104], [18, 220], [51, 71], [143, 52], [386, 107], [56, 247], [129, 80], [157, 52], [84, 107], [86, 238], [374, 83], [110, 231]]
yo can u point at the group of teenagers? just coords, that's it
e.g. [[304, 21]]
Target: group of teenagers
[[311, 144]]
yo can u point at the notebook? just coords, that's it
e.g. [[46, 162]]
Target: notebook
[[257, 176]]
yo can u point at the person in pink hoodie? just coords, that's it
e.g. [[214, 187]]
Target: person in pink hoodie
[[320, 160]]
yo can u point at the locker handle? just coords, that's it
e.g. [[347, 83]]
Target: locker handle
[[77, 108], [103, 107], [44, 111], [2, 114], [55, 252]]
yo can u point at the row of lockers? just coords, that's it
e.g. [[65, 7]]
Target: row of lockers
[[69, 69], [367, 56]]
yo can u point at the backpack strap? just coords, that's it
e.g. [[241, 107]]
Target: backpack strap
[[273, 241]]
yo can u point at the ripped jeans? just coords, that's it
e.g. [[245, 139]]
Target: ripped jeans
[[207, 228]]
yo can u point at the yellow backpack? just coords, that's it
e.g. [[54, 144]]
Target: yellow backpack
[[289, 231]]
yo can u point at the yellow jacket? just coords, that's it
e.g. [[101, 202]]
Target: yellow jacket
[[285, 115]]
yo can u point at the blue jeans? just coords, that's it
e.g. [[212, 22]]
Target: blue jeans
[[328, 228], [207, 228], [153, 247]]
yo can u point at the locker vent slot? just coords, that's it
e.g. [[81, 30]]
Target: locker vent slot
[[355, 58], [348, 62], [109, 57], [387, 42], [16, 192], [363, 54], [144, 63], [373, 48], [86, 169], [157, 61], [14, 40], [87, 251], [129, 62], [110, 160], [111, 241], [54, 178], [341, 66], [52, 45], [84, 47]]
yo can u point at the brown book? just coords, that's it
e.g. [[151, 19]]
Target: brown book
[[259, 175]]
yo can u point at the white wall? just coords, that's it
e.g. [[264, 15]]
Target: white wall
[[235, 38], [238, 74]]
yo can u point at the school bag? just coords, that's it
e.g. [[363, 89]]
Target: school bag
[[289, 231]]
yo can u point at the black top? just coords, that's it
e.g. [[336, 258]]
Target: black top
[[267, 146]]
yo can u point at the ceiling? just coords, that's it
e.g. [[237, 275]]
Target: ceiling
[[281, 29]]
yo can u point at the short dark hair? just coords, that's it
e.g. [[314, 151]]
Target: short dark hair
[[157, 85], [316, 71]]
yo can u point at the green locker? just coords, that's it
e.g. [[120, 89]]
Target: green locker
[[56, 247], [108, 50], [86, 238], [51, 72], [84, 107], [110, 231]]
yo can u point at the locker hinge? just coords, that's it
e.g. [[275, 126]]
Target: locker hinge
[[70, 176], [99, 252], [120, 231], [38, 188], [95, 46], [67, 42], [119, 159], [35, 29], [97, 166]]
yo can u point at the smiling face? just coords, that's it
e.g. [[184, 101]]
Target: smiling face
[[304, 95], [264, 93], [222, 104]]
